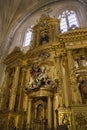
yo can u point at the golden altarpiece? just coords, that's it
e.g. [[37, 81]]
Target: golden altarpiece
[[46, 87]]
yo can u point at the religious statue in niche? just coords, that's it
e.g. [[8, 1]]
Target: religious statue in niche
[[39, 78], [83, 87], [44, 38], [40, 112], [80, 61]]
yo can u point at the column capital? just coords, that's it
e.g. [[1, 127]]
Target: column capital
[[50, 97], [9, 69], [30, 99], [69, 51]]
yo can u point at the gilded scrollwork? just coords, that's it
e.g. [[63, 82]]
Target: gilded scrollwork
[[76, 98], [81, 120], [65, 119]]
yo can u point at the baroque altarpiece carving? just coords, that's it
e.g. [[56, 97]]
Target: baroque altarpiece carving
[[46, 87]]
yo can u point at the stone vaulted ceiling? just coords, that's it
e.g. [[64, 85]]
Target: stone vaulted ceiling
[[13, 12]]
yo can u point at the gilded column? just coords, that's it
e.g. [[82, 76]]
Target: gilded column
[[60, 83], [58, 99], [65, 75], [70, 59], [20, 105], [4, 86], [55, 107], [58, 71], [25, 100], [29, 114], [27, 75], [76, 98], [21, 96], [14, 88], [49, 113], [71, 66]]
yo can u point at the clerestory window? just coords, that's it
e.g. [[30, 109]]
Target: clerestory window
[[27, 38], [68, 20]]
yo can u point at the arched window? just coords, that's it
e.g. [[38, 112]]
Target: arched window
[[27, 38], [68, 20]]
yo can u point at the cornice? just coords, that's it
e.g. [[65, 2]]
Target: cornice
[[73, 35], [14, 56]]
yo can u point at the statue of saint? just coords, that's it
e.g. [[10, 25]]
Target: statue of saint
[[83, 87]]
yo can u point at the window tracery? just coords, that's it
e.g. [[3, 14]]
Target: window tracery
[[68, 21]]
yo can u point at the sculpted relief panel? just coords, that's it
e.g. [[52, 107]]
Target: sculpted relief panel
[[39, 78]]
